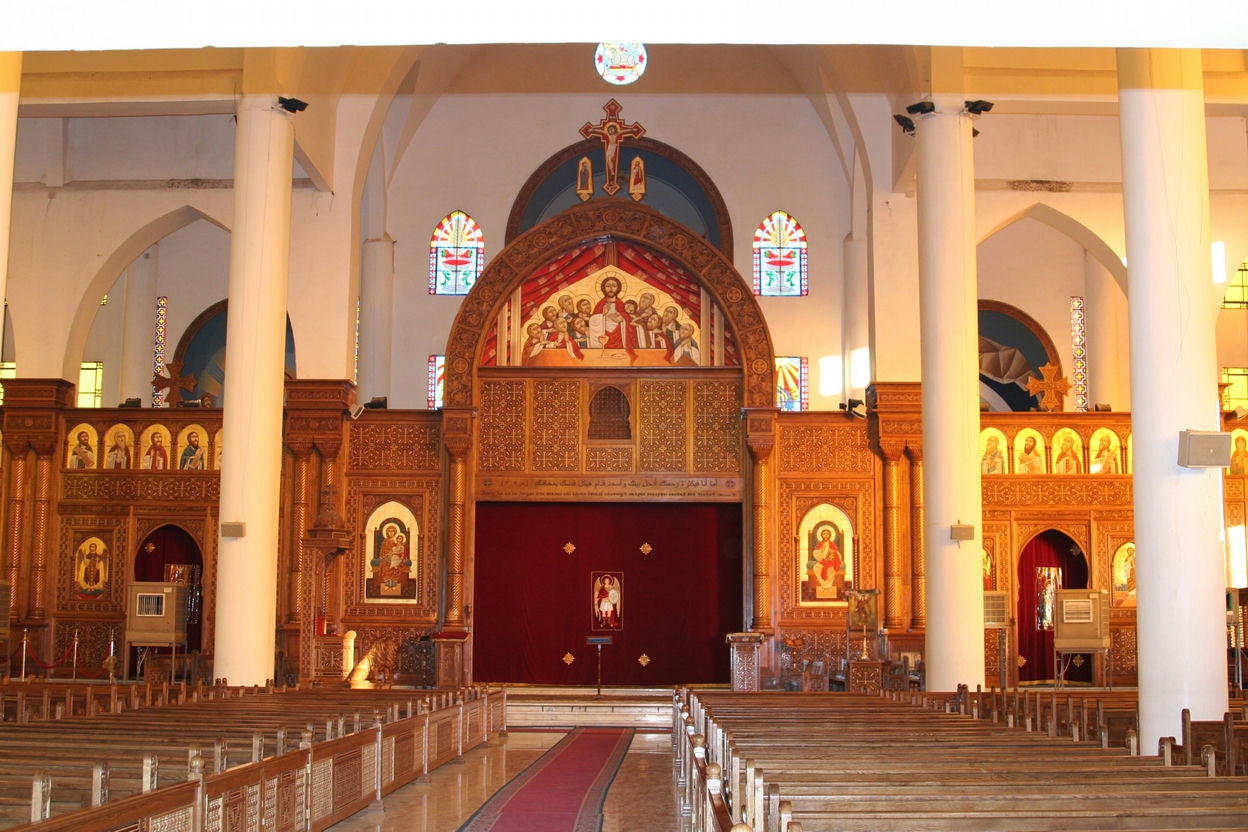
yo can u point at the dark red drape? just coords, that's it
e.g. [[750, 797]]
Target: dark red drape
[[1050, 548], [532, 601]]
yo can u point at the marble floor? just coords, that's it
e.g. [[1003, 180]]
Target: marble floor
[[641, 799]]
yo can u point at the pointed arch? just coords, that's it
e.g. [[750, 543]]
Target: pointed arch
[[1075, 230], [120, 258], [620, 220]]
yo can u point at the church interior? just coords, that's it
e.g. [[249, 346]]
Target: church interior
[[762, 366]]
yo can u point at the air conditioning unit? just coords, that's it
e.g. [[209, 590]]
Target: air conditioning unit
[[1082, 620], [996, 609], [156, 613]]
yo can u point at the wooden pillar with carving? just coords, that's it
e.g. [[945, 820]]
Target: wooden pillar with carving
[[760, 438], [896, 553], [918, 537], [452, 639], [31, 410], [895, 422], [315, 412]]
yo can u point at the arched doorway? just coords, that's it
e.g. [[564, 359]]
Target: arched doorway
[[169, 554], [1050, 561]]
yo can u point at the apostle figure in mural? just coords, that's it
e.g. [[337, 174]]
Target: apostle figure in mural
[[91, 571], [156, 458], [118, 455], [606, 597], [1067, 461], [1030, 461], [993, 460], [82, 456], [192, 455], [1239, 457], [1106, 459]]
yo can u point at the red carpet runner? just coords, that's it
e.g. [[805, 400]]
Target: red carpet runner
[[562, 791]]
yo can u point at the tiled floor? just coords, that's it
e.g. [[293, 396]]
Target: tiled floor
[[642, 797]]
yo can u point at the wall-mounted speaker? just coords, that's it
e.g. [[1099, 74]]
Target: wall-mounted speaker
[[1204, 449]]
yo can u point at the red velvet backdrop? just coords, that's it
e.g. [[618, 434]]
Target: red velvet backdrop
[[533, 602], [1050, 548]]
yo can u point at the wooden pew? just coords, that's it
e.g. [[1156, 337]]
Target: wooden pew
[[951, 772]]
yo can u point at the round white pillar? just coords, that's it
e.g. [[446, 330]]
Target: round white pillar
[[376, 316], [10, 92], [255, 350], [949, 320], [1174, 386]]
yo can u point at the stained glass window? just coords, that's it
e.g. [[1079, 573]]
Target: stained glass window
[[158, 354], [620, 63], [1079, 350], [456, 255], [780, 257], [437, 381], [1236, 296], [792, 382], [91, 384]]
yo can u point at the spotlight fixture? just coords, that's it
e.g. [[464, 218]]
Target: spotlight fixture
[[377, 403], [907, 123], [921, 108], [292, 105], [132, 402], [978, 107], [854, 408]]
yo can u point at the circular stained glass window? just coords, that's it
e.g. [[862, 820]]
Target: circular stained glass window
[[620, 63]]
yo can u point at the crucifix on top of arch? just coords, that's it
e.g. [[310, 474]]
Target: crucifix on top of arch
[[612, 130]]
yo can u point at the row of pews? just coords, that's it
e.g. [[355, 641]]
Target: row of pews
[[931, 762], [95, 758]]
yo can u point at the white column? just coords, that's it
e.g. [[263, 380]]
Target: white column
[[856, 337], [1105, 307], [254, 387], [10, 89], [948, 314], [1174, 386], [138, 335], [376, 316]]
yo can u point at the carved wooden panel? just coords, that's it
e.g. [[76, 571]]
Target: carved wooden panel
[[186, 487], [502, 426], [1123, 643], [840, 446], [662, 428], [407, 446], [113, 530], [854, 497], [556, 425], [828, 646], [1056, 491], [717, 426], [609, 460], [423, 495]]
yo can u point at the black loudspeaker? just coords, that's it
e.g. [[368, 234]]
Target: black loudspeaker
[[1204, 449]]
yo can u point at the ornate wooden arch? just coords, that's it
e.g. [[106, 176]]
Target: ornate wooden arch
[[624, 220]]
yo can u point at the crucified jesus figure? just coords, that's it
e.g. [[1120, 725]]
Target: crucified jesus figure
[[612, 131]]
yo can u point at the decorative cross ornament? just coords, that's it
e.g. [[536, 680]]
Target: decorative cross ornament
[[612, 130], [175, 382], [1053, 387]]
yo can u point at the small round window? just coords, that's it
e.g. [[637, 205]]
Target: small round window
[[620, 63]]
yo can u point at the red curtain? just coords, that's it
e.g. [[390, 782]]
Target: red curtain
[[533, 601], [1050, 548]]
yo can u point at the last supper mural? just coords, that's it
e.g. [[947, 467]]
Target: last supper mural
[[610, 304]]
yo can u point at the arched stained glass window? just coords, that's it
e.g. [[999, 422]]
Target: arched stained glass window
[[456, 255], [780, 257]]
